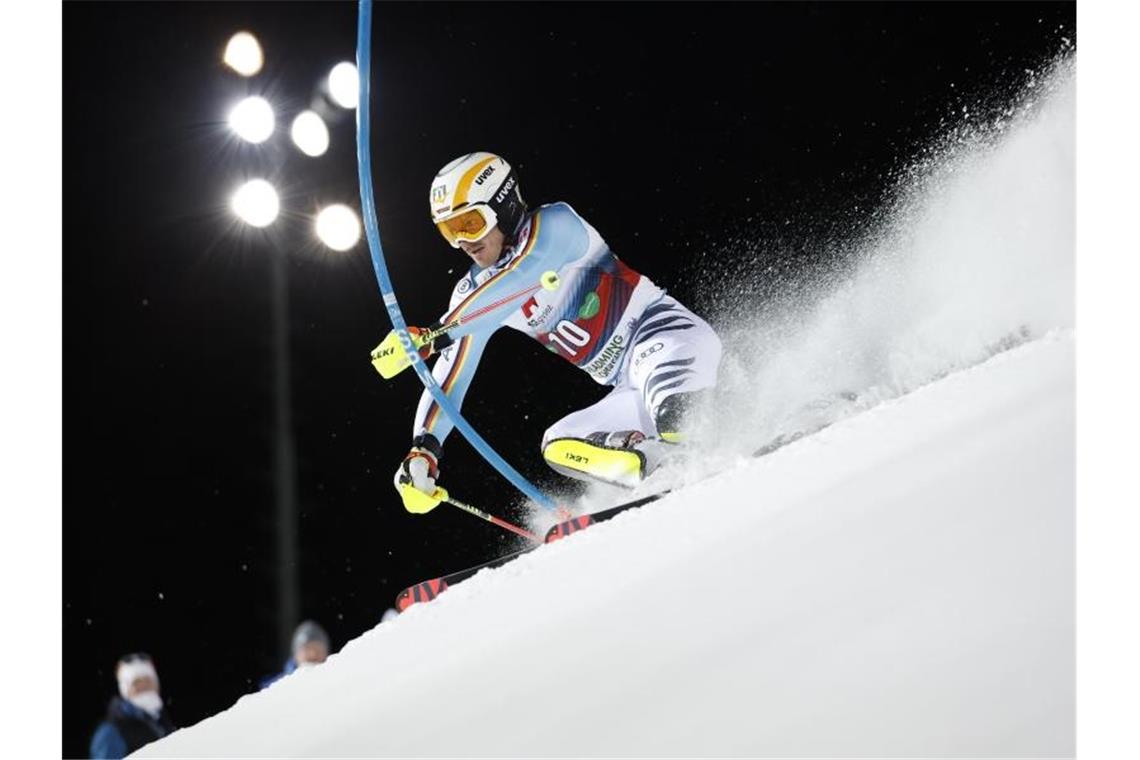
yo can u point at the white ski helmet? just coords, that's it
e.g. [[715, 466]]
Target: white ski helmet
[[474, 193]]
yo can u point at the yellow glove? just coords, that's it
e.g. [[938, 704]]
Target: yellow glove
[[390, 358], [419, 503], [415, 478]]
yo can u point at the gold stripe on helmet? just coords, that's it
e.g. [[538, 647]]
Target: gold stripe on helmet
[[469, 176]]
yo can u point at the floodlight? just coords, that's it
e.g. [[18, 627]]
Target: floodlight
[[256, 203], [243, 54], [310, 133], [252, 119], [338, 227], [344, 85]]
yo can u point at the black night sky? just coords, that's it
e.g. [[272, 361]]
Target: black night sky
[[674, 128]]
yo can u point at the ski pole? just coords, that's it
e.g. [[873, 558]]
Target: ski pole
[[391, 358], [431, 335], [548, 281], [443, 495]]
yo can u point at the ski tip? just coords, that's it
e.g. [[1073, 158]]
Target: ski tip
[[567, 527], [421, 592]]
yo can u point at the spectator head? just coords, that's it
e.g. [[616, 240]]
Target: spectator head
[[138, 682], [310, 644]]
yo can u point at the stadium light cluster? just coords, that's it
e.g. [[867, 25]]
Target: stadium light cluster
[[252, 119]]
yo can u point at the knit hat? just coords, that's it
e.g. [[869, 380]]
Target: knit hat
[[309, 631], [132, 667]]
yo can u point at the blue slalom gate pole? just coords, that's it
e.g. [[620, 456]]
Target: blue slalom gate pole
[[372, 232]]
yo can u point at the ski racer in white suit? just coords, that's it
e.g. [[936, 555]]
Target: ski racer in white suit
[[592, 309]]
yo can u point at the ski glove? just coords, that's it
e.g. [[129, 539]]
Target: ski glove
[[390, 358], [416, 476]]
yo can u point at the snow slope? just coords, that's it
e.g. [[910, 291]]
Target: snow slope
[[901, 583]]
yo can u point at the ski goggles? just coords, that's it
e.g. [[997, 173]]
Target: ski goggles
[[470, 225]]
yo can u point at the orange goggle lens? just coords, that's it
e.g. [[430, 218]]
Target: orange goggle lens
[[471, 225]]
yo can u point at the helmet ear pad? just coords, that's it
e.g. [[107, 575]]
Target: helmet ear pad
[[511, 209]]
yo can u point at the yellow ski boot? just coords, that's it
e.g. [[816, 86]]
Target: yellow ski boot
[[624, 458]]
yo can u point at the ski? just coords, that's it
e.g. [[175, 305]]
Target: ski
[[425, 591], [575, 524]]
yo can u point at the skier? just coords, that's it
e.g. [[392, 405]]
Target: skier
[[549, 274]]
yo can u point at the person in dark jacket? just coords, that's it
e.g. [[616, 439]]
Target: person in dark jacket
[[310, 647], [136, 717]]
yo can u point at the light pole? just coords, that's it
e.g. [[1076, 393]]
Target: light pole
[[284, 456], [257, 204], [337, 226]]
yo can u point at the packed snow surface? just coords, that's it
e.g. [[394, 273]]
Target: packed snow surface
[[900, 583]]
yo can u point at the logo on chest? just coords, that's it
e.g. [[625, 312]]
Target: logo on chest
[[535, 316]]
